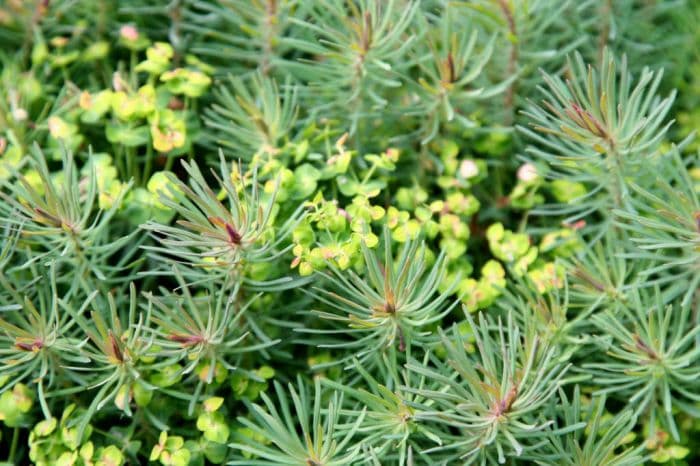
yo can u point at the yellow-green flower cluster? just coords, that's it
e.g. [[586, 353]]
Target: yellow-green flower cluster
[[55, 442], [170, 451], [481, 293], [165, 125]]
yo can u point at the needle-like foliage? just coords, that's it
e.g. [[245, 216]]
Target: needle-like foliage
[[35, 334], [492, 401], [203, 333], [262, 32], [448, 76], [601, 442], [665, 226], [598, 127], [391, 425], [244, 231], [355, 51], [301, 433], [393, 307], [115, 351], [219, 232], [61, 216], [252, 117], [653, 357]]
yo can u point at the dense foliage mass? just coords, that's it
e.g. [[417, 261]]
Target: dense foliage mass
[[349, 232]]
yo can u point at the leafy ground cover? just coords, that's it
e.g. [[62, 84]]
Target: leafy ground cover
[[349, 232]]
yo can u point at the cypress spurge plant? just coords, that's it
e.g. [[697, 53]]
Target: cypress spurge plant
[[264, 35], [38, 342], [220, 230], [253, 116], [393, 307], [9, 241], [391, 425], [664, 224], [449, 76], [205, 334], [531, 35], [493, 401], [653, 358], [300, 433], [599, 277], [547, 314], [116, 352], [202, 201], [364, 37], [603, 441], [597, 127], [61, 216]]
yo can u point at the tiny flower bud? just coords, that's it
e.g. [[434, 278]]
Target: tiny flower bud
[[19, 114], [59, 42], [392, 154], [468, 169], [118, 83], [129, 32], [85, 101], [527, 173], [576, 225], [176, 104]]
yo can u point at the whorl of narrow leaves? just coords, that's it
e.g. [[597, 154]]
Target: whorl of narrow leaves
[[492, 400], [302, 432], [357, 52], [603, 112], [548, 315], [9, 241], [253, 117], [219, 232], [664, 224], [597, 128], [59, 215], [392, 307], [531, 35], [116, 351], [35, 334], [653, 358], [599, 277], [448, 77], [391, 424], [203, 334], [261, 38], [603, 441]]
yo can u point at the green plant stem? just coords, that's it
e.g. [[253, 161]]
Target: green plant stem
[[133, 78], [13, 445], [369, 174], [170, 159], [85, 270], [175, 14], [190, 105], [146, 175], [499, 181], [615, 167], [522, 227], [130, 154], [509, 96], [119, 160], [606, 11]]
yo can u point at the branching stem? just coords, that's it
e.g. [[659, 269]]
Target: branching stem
[[509, 96]]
